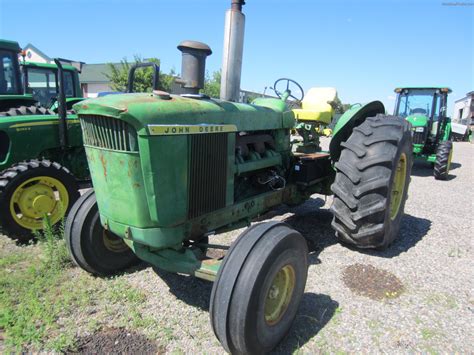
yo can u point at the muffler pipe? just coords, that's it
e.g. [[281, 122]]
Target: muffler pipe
[[233, 52]]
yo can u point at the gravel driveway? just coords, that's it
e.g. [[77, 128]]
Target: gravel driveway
[[432, 260], [414, 297]]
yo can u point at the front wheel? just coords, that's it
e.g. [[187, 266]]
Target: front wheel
[[258, 288], [31, 191], [91, 247], [371, 185]]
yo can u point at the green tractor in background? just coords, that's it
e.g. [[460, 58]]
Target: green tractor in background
[[425, 108], [32, 88], [170, 171], [41, 153], [42, 158]]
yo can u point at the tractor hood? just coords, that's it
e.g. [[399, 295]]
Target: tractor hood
[[158, 108], [418, 120]]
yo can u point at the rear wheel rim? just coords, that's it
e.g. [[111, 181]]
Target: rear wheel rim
[[398, 186], [37, 198], [279, 294]]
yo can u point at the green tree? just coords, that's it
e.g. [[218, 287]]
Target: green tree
[[118, 76], [339, 107], [212, 84]]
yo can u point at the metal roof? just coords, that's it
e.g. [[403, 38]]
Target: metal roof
[[96, 73]]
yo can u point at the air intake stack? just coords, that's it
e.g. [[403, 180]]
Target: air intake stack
[[193, 65]]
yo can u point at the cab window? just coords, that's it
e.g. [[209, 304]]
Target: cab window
[[8, 74], [43, 85]]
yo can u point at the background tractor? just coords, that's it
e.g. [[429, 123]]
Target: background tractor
[[33, 88], [171, 171], [425, 108], [42, 159], [41, 153]]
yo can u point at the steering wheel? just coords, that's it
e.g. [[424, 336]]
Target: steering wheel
[[288, 92]]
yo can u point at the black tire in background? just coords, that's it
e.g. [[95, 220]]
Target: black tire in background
[[368, 205], [442, 164], [258, 288], [92, 248], [27, 111], [12, 178]]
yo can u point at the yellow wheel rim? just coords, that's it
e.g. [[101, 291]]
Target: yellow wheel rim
[[36, 198], [279, 295], [398, 186], [449, 160], [113, 243]]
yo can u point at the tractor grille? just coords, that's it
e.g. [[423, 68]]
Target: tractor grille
[[108, 133], [208, 173], [419, 137]]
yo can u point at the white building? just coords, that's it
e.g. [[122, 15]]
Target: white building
[[33, 54], [93, 78], [464, 110]]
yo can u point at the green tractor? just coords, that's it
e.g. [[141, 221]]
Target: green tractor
[[171, 171], [28, 87], [42, 158], [425, 108], [41, 153]]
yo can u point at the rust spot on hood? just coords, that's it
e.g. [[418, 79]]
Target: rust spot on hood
[[104, 164]]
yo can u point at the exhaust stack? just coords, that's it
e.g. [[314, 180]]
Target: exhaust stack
[[193, 65], [233, 51]]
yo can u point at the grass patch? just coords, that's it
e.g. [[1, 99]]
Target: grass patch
[[44, 301]]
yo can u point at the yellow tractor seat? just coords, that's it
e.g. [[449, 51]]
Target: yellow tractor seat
[[315, 106]]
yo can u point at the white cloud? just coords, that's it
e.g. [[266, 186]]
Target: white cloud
[[391, 97]]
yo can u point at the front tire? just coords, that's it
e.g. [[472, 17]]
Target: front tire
[[31, 190], [371, 185], [91, 247], [442, 164], [258, 288]]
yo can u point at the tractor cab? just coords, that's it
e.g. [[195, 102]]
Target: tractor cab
[[33, 84], [11, 90], [425, 109], [42, 83]]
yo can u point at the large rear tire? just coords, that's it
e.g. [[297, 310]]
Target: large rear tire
[[442, 164], [371, 185], [31, 190], [258, 288], [92, 248]]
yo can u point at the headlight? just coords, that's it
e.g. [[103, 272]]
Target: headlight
[[419, 129]]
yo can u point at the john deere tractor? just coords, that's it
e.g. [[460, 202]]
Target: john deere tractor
[[41, 153], [425, 108], [28, 87], [171, 171]]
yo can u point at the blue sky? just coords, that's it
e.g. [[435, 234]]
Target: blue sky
[[363, 48]]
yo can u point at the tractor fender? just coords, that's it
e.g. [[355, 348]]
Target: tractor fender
[[348, 121]]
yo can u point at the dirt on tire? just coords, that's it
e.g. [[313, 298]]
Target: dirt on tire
[[116, 341]]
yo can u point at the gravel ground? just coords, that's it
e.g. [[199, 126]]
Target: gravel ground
[[432, 258], [431, 263]]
